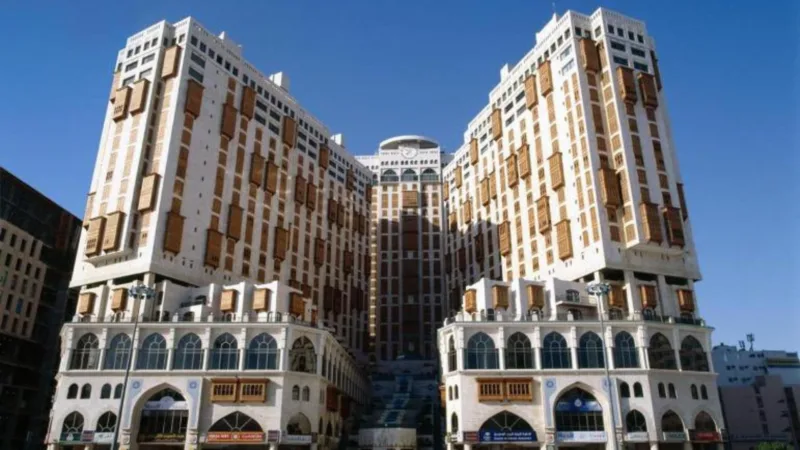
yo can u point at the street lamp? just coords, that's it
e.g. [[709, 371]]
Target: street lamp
[[600, 290], [137, 292]]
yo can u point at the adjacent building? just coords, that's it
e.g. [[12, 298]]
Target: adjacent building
[[569, 175], [759, 391], [38, 242]]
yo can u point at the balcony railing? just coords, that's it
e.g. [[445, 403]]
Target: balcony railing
[[584, 315], [248, 317]]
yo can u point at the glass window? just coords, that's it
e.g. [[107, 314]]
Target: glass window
[[189, 354], [640, 66], [225, 354], [262, 353], [618, 46], [590, 351], [153, 353], [555, 352]]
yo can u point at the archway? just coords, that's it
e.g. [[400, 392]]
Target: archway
[[236, 427], [163, 420], [705, 434], [506, 427], [579, 420], [302, 356], [297, 433], [636, 437], [673, 433]]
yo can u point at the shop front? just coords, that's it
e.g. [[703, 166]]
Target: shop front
[[504, 430], [579, 421], [673, 434], [163, 422], [236, 431]]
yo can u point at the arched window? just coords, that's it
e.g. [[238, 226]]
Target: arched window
[[693, 389], [704, 422], [302, 357], [236, 422], [262, 353], [72, 427], [661, 354], [429, 175], [590, 351], [86, 391], [409, 175], [634, 421], [693, 357], [578, 410], [637, 390], [72, 392], [105, 391], [296, 392], [624, 390], [299, 424], [455, 392], [118, 353], [85, 355], [451, 355], [453, 423], [155, 420], [670, 422], [519, 353], [625, 354], [449, 392], [662, 391], [106, 423], [153, 354], [390, 176], [481, 352], [703, 392], [306, 393], [189, 354], [118, 391], [506, 422], [225, 354], [555, 353], [671, 389]]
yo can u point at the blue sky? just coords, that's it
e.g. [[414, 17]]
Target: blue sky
[[378, 68]]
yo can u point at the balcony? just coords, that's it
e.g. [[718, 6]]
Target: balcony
[[505, 389], [572, 315]]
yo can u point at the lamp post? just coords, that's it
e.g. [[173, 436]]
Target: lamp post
[[600, 290], [138, 292]]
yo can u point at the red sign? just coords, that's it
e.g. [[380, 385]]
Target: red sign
[[704, 436], [235, 436], [470, 436]]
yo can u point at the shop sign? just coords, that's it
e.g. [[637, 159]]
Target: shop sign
[[162, 437], [579, 406], [507, 436], [581, 436], [637, 436], [273, 435], [296, 439], [704, 436], [470, 436], [673, 436], [103, 438], [234, 436], [76, 437], [166, 403]]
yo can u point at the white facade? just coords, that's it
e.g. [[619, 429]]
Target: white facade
[[738, 366]]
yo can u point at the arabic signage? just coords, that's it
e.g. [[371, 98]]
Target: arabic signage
[[234, 437], [704, 436], [578, 406], [637, 436], [76, 438], [273, 435], [470, 436], [103, 438], [581, 436], [296, 439], [507, 436], [162, 437], [673, 436], [166, 403]]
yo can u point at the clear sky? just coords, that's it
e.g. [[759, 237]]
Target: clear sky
[[372, 69]]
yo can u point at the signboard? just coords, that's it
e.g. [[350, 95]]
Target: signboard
[[103, 438], [166, 403], [73, 438], [470, 436], [273, 435], [234, 436], [162, 437], [296, 439], [87, 436], [581, 436], [578, 406], [507, 436], [673, 436], [704, 436], [637, 436]]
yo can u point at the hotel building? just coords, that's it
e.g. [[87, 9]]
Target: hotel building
[[569, 176]]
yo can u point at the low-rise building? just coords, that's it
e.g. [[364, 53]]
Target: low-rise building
[[210, 367], [540, 363]]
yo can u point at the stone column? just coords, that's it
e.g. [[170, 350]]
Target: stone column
[[573, 346], [501, 346], [634, 301], [608, 346]]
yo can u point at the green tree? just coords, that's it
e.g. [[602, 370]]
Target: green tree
[[773, 446]]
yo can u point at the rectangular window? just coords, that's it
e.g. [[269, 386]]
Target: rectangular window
[[128, 81], [611, 29], [203, 47], [181, 38], [195, 74], [638, 52], [146, 45], [194, 41], [261, 105], [245, 78], [640, 66], [620, 61], [597, 31], [260, 119], [227, 65], [235, 72], [131, 66], [199, 60], [148, 58], [211, 53], [640, 38], [620, 32], [219, 59], [145, 73], [618, 46], [630, 35]]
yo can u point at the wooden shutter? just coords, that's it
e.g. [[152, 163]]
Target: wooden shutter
[[410, 199], [86, 303], [257, 169], [261, 298], [504, 236], [473, 151], [173, 237], [531, 96], [493, 185], [564, 238], [94, 236], [194, 98], [340, 215], [535, 296], [348, 261], [248, 104], [674, 225], [281, 243], [500, 296], [350, 180], [556, 171], [148, 192], [235, 214], [228, 127], [300, 190], [497, 124], [139, 96], [319, 252], [172, 56], [626, 85], [297, 306], [410, 241], [111, 236], [228, 302], [511, 169], [616, 297], [289, 132], [272, 178], [543, 214], [470, 301], [213, 248], [466, 209], [311, 196], [452, 220], [647, 86], [333, 212], [119, 299], [324, 156], [87, 213], [461, 256], [485, 191], [545, 78], [458, 177], [609, 187], [686, 300], [446, 191], [648, 296], [478, 247], [650, 222], [524, 161], [121, 101], [589, 56]]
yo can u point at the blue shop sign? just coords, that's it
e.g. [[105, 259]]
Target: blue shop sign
[[507, 436], [578, 405]]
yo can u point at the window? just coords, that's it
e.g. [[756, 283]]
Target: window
[[555, 352], [597, 31], [481, 352], [118, 353], [105, 391], [611, 29], [225, 354], [199, 60], [302, 356], [107, 423], [693, 357], [590, 351], [86, 391], [640, 38], [634, 422], [306, 394], [85, 355], [620, 61], [703, 392], [193, 40], [618, 46], [519, 353], [637, 52], [118, 391], [577, 410], [454, 423], [672, 393], [693, 390], [661, 354], [296, 392], [620, 32], [203, 47], [262, 353], [640, 66], [624, 390], [637, 390], [153, 353], [131, 66], [662, 392], [148, 58], [195, 74], [451, 355], [73, 425], [72, 392], [189, 354], [625, 354]]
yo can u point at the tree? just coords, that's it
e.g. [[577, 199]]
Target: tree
[[773, 446]]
